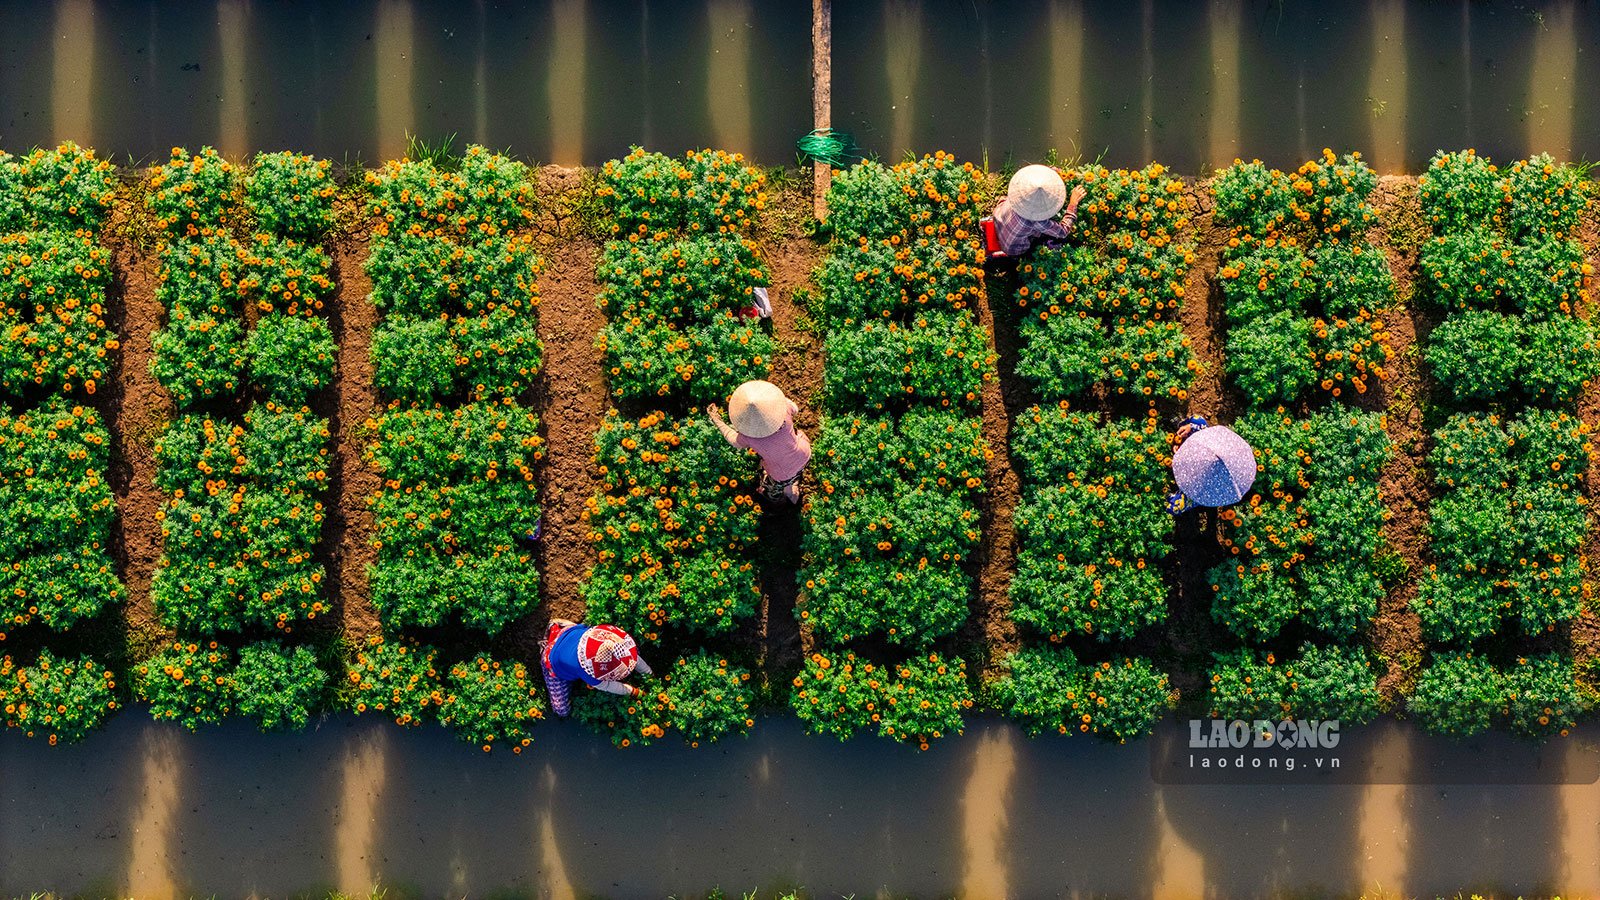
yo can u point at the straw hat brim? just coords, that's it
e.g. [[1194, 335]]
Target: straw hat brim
[[757, 409], [1036, 193]]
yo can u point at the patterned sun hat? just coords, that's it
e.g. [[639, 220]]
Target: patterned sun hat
[[758, 408], [607, 652]]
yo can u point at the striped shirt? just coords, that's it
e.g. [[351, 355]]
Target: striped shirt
[[1018, 235]]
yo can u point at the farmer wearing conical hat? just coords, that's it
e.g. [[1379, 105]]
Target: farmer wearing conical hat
[[600, 656], [763, 421], [1026, 216]]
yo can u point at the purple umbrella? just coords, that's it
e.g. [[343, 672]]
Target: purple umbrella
[[1214, 466]]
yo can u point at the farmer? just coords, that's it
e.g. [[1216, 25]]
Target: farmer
[[597, 655], [1212, 465], [1027, 215], [763, 421]]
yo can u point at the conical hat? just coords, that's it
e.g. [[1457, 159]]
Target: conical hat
[[1036, 193], [758, 408]]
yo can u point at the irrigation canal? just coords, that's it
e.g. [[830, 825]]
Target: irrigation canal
[[148, 810], [1189, 83]]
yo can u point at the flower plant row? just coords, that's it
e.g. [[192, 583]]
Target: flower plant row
[[678, 279], [900, 460], [455, 276], [56, 350], [1103, 310], [675, 522], [1304, 293], [245, 347], [1508, 532], [1505, 266], [1304, 541]]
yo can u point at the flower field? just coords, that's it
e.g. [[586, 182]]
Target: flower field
[[56, 350], [1415, 543], [1509, 531], [894, 523], [674, 525]]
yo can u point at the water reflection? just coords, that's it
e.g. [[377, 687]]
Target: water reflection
[[72, 81], [394, 42], [355, 802]]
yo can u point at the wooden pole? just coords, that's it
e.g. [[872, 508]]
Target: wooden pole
[[821, 94]]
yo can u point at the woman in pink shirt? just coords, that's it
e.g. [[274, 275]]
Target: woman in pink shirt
[[763, 421]]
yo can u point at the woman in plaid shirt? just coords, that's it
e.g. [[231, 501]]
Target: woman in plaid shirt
[[1027, 215]]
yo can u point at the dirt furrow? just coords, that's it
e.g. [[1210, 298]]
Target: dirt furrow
[[1405, 491], [798, 371], [350, 526], [1586, 629], [137, 410], [570, 395]]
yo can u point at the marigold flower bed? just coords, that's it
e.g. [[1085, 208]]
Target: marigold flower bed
[[56, 350], [457, 284], [1304, 293]]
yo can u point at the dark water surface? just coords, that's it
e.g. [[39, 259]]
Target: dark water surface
[[1186, 82], [147, 810]]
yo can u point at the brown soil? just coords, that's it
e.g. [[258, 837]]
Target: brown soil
[[570, 396], [1191, 631], [137, 411], [798, 370], [1586, 629], [350, 524], [1405, 490]]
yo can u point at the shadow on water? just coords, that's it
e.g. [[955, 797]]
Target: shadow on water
[[150, 809], [580, 80]]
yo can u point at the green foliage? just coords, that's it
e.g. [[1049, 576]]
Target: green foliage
[[491, 700], [898, 297], [188, 683], [1543, 696], [1458, 694], [60, 699], [190, 193], [674, 289], [53, 332], [487, 193], [1104, 310], [1461, 191], [895, 518], [64, 189], [1304, 293], [674, 528], [1508, 533], [701, 697], [708, 191], [1046, 689], [399, 678], [1461, 694], [1091, 528], [55, 538], [291, 357], [207, 280], [458, 287], [458, 494], [291, 194], [937, 359], [1535, 199], [1306, 537], [1506, 268], [1304, 320], [280, 687], [243, 520], [1324, 682], [921, 699]]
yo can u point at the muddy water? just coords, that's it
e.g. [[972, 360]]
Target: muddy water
[[570, 81], [150, 811]]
